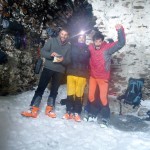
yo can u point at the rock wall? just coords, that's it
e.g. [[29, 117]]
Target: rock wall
[[134, 59], [131, 61], [17, 74], [24, 26]]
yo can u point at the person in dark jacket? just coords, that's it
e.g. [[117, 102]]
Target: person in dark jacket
[[56, 52], [77, 73], [100, 61]]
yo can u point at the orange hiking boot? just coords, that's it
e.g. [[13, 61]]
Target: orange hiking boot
[[71, 116], [48, 109], [51, 114], [66, 116], [33, 112], [77, 117]]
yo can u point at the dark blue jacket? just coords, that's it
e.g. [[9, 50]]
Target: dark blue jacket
[[79, 65]]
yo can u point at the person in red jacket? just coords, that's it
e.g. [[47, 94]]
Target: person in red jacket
[[100, 61]]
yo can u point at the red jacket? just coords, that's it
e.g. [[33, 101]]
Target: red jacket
[[100, 60]]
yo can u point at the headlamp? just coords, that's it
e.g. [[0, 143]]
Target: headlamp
[[82, 32]]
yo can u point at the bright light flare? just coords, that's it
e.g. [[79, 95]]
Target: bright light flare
[[82, 32]]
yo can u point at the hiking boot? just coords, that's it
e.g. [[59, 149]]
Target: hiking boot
[[77, 117], [92, 118], [48, 109], [51, 114], [68, 116], [71, 116], [32, 112], [86, 116], [104, 123]]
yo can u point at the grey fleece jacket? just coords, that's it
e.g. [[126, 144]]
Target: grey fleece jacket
[[55, 45]]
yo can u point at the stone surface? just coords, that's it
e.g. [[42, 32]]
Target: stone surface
[[134, 58], [131, 61], [35, 16]]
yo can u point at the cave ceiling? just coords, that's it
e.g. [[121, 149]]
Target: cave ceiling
[[36, 15]]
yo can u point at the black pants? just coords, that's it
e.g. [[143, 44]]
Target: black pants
[[47, 76], [74, 104]]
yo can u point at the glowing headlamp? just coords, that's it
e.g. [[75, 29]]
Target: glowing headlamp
[[81, 32]]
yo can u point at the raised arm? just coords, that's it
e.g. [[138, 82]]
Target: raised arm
[[115, 46]]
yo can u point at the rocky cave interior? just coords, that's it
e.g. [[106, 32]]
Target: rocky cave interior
[[26, 24], [30, 24]]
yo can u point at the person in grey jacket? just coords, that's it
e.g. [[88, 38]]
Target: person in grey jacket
[[56, 52]]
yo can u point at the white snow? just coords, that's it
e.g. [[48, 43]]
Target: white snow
[[44, 133]]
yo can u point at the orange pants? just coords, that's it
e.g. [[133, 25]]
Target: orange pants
[[103, 87]]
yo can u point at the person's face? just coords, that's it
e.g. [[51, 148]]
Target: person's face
[[98, 42], [63, 36], [81, 39]]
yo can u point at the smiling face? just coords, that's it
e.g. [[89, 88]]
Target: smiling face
[[63, 35], [98, 42], [98, 39]]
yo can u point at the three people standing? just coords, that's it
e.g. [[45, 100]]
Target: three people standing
[[79, 60]]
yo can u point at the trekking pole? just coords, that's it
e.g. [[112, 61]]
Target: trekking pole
[[120, 113]]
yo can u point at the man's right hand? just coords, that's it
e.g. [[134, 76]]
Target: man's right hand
[[118, 26], [54, 54]]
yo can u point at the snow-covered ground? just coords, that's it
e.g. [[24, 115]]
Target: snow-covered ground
[[44, 133]]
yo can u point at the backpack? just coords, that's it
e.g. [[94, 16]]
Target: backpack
[[133, 94], [3, 57]]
